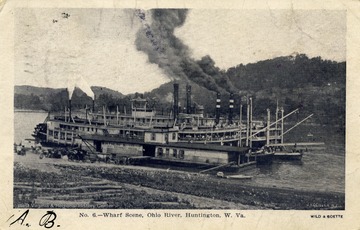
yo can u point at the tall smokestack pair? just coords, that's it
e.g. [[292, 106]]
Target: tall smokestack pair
[[176, 100]]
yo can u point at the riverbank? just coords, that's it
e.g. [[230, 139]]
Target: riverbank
[[57, 183]]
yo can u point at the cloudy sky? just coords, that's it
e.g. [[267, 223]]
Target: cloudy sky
[[96, 47]]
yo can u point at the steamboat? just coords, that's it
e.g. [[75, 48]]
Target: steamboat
[[181, 138]]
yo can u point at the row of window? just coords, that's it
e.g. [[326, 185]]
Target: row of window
[[175, 153], [173, 136], [62, 135], [68, 127], [130, 133], [137, 119]]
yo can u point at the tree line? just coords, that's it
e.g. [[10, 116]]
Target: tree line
[[311, 84]]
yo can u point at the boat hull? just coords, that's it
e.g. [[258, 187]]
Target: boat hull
[[262, 158], [288, 156]]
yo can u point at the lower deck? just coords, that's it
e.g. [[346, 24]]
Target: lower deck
[[184, 152]]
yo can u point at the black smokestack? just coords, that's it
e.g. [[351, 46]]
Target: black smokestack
[[218, 107], [231, 108], [176, 100], [188, 99], [69, 109]]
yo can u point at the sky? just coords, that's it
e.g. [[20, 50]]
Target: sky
[[97, 46], [232, 37]]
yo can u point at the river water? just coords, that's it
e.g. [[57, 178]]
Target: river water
[[320, 170], [24, 124]]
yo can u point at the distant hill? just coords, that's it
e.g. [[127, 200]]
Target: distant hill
[[290, 72], [37, 91], [311, 84], [98, 90], [45, 91], [49, 99]]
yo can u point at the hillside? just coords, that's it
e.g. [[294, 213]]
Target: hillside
[[103, 90], [49, 99], [313, 85], [44, 91], [36, 91]]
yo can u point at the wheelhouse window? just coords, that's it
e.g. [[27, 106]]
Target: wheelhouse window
[[175, 153]]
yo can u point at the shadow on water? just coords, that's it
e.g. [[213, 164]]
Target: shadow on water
[[277, 167]]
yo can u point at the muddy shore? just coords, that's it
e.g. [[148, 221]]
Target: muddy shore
[[51, 183]]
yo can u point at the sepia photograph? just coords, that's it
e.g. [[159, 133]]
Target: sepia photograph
[[207, 109]]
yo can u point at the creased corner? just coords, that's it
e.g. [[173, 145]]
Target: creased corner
[[2, 4]]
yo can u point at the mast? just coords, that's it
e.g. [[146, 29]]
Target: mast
[[297, 124], [282, 118], [276, 120], [240, 121], [268, 127], [282, 125], [104, 115], [251, 122], [247, 121], [86, 112], [117, 114]]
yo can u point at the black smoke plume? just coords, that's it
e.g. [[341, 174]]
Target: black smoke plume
[[156, 38]]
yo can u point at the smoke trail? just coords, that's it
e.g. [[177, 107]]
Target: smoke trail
[[156, 38], [79, 81]]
